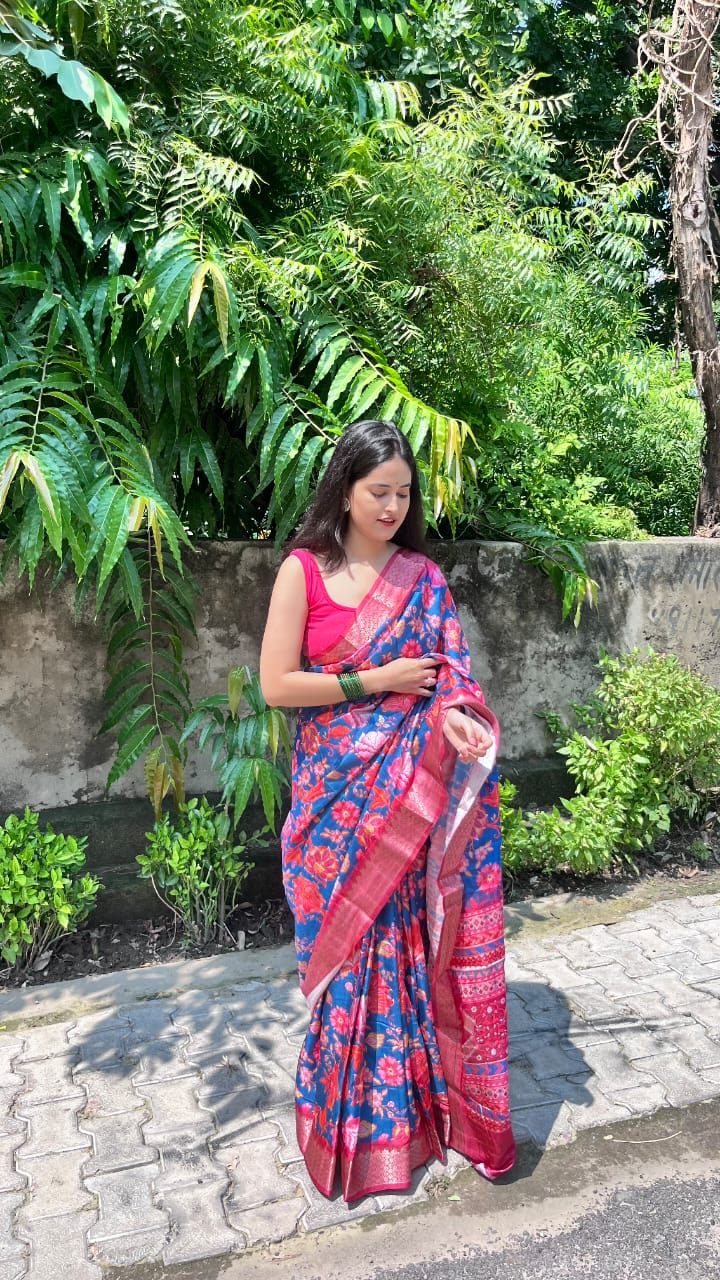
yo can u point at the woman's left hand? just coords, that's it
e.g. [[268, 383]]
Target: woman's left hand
[[469, 738]]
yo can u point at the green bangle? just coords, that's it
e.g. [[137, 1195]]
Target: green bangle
[[351, 684]]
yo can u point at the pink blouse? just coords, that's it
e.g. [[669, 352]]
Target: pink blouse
[[327, 620]]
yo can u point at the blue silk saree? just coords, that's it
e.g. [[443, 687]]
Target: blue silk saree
[[391, 863]]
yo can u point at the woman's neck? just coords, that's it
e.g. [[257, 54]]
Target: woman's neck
[[359, 550]]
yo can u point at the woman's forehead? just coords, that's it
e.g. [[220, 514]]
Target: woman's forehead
[[394, 471]]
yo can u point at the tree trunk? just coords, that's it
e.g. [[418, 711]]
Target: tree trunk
[[693, 217]]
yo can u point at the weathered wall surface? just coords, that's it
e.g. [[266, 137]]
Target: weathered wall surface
[[664, 593]]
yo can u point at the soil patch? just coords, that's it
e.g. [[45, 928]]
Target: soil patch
[[104, 948]]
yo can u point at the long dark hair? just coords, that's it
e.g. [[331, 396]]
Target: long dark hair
[[362, 447]]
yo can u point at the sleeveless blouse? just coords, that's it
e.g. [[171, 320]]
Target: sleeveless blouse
[[327, 620]]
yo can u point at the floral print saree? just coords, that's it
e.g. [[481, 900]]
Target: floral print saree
[[391, 862]]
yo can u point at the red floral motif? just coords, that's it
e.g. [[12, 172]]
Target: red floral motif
[[346, 813]]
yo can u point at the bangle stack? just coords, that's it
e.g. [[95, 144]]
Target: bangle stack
[[351, 684]]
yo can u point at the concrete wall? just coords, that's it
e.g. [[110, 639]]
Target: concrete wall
[[664, 593]]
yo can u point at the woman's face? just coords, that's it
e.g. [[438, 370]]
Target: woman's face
[[380, 500]]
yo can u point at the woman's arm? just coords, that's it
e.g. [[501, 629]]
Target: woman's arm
[[284, 684]]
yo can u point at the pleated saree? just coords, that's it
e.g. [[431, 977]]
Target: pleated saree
[[391, 862]]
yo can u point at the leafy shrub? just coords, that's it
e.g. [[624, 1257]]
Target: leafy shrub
[[197, 863], [197, 867], [41, 896], [250, 752], [647, 747]]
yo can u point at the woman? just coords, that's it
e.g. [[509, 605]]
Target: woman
[[391, 851]]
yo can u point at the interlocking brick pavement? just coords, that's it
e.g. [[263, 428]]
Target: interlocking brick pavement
[[163, 1128]]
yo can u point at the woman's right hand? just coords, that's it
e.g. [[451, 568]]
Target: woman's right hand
[[416, 676]]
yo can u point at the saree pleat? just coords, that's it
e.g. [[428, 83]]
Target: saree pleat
[[391, 857]]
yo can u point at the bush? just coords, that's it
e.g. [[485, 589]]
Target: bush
[[647, 748], [196, 868], [41, 897]]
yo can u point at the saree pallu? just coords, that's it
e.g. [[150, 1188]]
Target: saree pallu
[[391, 864]]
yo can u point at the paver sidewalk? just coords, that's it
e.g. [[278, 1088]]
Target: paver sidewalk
[[163, 1127]]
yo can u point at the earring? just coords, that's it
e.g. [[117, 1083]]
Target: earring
[[346, 504]]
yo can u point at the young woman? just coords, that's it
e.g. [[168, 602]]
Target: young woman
[[391, 851]]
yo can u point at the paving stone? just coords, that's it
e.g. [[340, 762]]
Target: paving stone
[[649, 918], [572, 1089], [50, 1080], [550, 1125], [278, 1086], [103, 1053], [110, 1091], [256, 1130], [55, 1185], [682, 1085], [561, 975], [129, 1250], [648, 942], [615, 981], [690, 969], [271, 1222], [152, 1020], [186, 1160], [10, 1179], [117, 1144], [707, 1012], [256, 1179], [451, 1164], [705, 906], [9, 1097], [525, 1091], [174, 1106], [675, 993], [516, 973], [16, 1267], [53, 1128], [701, 1049], [547, 1010], [608, 1063], [11, 1047], [161, 1060], [125, 1203], [107, 1024], [642, 1101], [47, 1042], [519, 1020], [57, 1248], [224, 1072], [268, 1040], [596, 1107], [650, 1007], [597, 1010], [323, 1211], [639, 1042], [198, 1226], [579, 953], [235, 1113], [10, 1203], [554, 1056]]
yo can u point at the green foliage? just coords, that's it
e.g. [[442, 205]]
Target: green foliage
[[197, 867], [148, 699], [42, 896], [647, 748], [250, 753]]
